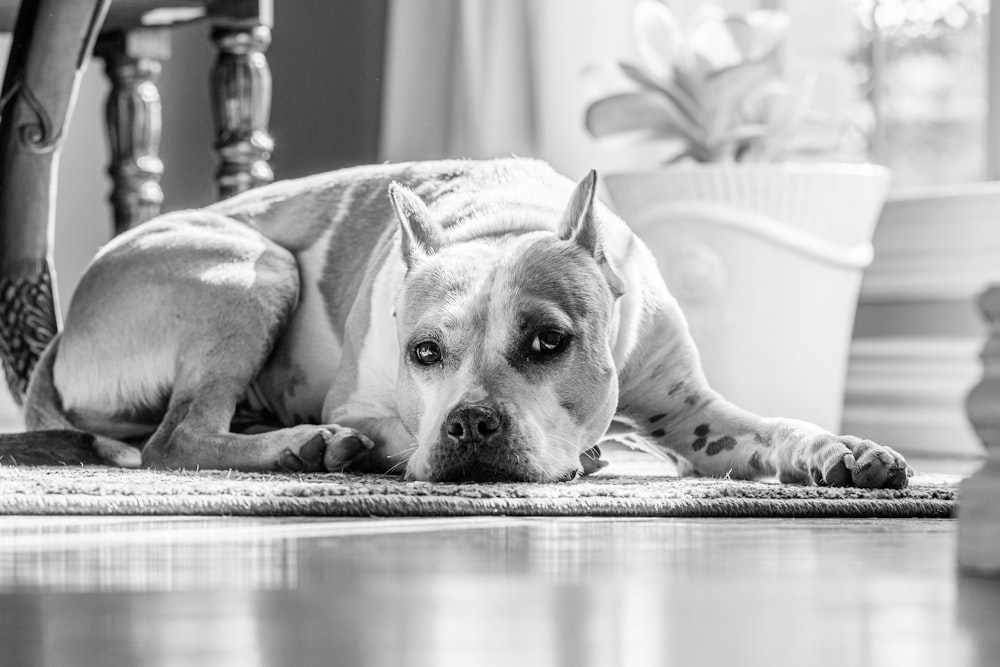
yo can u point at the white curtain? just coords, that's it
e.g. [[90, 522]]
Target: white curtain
[[489, 78], [460, 79]]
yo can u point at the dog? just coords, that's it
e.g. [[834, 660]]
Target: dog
[[452, 321]]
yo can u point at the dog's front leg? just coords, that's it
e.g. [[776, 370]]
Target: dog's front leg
[[665, 397], [719, 439]]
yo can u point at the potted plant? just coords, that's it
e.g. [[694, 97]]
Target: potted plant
[[758, 234]]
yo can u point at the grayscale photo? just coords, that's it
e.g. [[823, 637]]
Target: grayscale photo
[[602, 333]]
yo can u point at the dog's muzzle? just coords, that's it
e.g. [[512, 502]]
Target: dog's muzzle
[[475, 446], [473, 426]]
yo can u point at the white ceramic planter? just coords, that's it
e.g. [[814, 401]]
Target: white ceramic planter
[[766, 261]]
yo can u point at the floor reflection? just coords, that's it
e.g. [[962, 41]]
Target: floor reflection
[[177, 554], [497, 591]]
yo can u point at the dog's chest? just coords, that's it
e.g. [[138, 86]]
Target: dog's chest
[[344, 310], [305, 358]]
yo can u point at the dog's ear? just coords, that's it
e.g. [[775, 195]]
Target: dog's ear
[[420, 235], [580, 225]]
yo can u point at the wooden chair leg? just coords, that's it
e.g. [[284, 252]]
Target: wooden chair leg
[[52, 41], [134, 121], [241, 101], [979, 515]]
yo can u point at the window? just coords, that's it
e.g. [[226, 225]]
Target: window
[[923, 70]]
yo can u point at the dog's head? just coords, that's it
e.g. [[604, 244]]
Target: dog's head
[[506, 371]]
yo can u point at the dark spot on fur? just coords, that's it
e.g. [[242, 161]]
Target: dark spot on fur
[[672, 458], [698, 444], [658, 433], [761, 440], [677, 386], [701, 430], [722, 444], [656, 418], [755, 461], [691, 400]]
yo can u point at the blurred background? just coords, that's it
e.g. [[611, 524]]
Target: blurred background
[[366, 81]]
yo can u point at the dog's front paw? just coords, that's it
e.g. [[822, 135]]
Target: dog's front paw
[[848, 461], [346, 448], [329, 448]]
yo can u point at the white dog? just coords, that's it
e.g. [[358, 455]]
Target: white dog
[[456, 320]]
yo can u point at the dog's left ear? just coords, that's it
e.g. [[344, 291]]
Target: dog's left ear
[[579, 224], [421, 236]]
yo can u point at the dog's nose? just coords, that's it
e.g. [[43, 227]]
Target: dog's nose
[[473, 424]]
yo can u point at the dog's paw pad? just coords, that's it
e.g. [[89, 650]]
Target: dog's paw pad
[[849, 461], [312, 452], [345, 448], [898, 477], [867, 465], [880, 475], [878, 467], [838, 474], [307, 457]]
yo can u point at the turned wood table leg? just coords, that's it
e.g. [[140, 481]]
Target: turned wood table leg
[[134, 121], [52, 42], [979, 509], [241, 101]]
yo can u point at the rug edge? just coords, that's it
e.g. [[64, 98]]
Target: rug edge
[[443, 506]]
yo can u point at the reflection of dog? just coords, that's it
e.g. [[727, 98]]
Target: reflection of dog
[[462, 320]]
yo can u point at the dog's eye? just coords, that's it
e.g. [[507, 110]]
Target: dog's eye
[[549, 342], [427, 352]]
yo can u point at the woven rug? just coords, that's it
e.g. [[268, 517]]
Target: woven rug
[[620, 490]]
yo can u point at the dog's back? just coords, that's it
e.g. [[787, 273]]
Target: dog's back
[[351, 208]]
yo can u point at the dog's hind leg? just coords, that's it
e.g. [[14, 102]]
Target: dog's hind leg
[[195, 433], [168, 329], [218, 356], [43, 411]]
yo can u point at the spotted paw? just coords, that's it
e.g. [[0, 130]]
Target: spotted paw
[[849, 461]]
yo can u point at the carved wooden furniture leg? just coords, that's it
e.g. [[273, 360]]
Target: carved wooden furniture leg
[[241, 98], [52, 42], [134, 120], [979, 513]]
